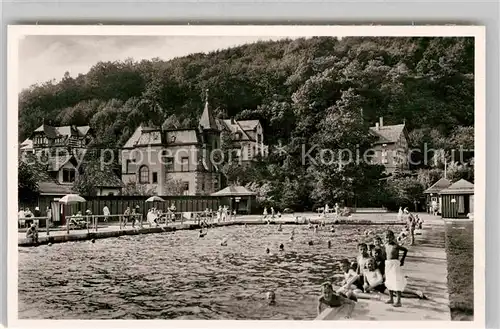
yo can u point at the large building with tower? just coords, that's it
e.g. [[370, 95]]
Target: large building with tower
[[183, 161]]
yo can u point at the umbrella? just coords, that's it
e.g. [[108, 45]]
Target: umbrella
[[71, 199], [155, 199]]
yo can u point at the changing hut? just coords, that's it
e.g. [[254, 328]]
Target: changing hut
[[432, 194], [238, 198], [458, 200]]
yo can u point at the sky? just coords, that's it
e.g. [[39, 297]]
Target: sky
[[43, 58]]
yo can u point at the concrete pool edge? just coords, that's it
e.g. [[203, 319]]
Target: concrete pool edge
[[426, 269], [85, 236]]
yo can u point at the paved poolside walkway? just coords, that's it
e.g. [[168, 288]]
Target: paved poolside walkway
[[425, 267]]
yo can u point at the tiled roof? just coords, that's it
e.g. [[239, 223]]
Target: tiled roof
[[438, 186], [248, 124], [185, 136], [52, 188], [149, 137], [460, 187], [388, 134], [55, 163]]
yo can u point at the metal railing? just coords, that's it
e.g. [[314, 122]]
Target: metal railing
[[93, 222], [21, 222]]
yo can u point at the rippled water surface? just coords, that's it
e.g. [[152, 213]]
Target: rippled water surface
[[181, 276]]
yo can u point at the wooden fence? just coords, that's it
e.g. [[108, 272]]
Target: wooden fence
[[118, 204]]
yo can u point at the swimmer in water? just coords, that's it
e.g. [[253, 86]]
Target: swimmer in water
[[223, 242], [268, 251], [93, 240], [201, 235], [310, 243], [282, 247], [271, 298], [280, 228], [329, 244]]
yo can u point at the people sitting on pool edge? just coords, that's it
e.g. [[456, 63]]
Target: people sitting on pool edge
[[370, 277], [32, 233]]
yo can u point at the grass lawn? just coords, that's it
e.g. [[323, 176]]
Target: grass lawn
[[459, 242]]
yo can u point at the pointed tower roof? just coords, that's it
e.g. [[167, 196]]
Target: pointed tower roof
[[207, 120]]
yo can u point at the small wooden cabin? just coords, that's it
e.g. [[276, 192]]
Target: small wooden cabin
[[432, 193], [458, 200], [237, 198]]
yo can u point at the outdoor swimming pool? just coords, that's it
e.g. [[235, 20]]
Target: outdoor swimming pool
[[181, 276]]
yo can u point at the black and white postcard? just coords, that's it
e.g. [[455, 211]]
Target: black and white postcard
[[289, 173]]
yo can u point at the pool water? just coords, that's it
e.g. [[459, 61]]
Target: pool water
[[181, 276]]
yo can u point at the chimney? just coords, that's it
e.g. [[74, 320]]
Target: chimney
[[381, 119], [377, 126]]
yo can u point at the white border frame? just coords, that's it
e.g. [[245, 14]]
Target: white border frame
[[15, 32]]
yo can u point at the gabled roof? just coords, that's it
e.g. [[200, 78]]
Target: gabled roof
[[248, 124], [53, 132], [438, 186], [27, 144], [234, 191], [460, 187], [132, 141], [388, 134], [55, 163], [83, 130], [235, 128], [49, 131]]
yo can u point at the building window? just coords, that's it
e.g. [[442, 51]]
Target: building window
[[68, 175], [184, 164], [185, 188], [169, 163], [144, 175], [216, 183], [155, 178]]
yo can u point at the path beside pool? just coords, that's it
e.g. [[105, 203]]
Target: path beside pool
[[426, 268], [113, 229]]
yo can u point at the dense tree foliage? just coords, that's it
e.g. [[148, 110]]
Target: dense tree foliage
[[317, 91]]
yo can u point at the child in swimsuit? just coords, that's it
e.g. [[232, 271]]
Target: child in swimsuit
[[331, 299]]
